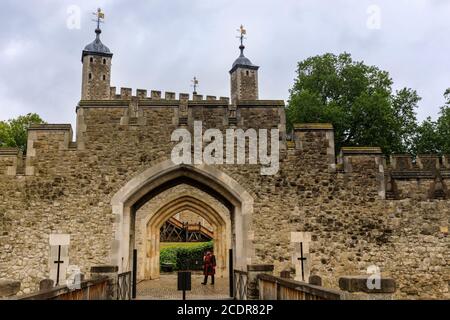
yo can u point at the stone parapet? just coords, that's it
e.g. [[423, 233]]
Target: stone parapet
[[312, 126], [9, 151], [45, 139], [143, 94], [10, 158], [364, 166], [366, 288], [109, 271], [316, 138], [9, 288], [252, 278]]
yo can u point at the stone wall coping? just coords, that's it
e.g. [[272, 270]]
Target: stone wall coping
[[147, 102], [104, 269], [9, 151], [260, 267], [55, 292], [312, 126], [361, 150], [413, 174], [260, 103], [401, 155], [46, 127], [325, 293], [432, 156], [359, 284]]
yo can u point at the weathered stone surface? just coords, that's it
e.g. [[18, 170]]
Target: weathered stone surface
[[68, 188], [359, 284], [260, 268], [9, 288], [253, 272], [46, 284], [104, 269], [109, 271], [315, 280]]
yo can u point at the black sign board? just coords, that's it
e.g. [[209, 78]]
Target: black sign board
[[184, 281]]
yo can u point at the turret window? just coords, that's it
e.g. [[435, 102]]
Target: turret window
[[104, 77], [91, 59], [90, 76], [247, 72], [104, 61]]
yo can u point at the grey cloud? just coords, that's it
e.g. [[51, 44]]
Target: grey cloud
[[163, 44]]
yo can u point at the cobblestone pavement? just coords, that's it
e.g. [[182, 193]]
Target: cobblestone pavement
[[165, 288]]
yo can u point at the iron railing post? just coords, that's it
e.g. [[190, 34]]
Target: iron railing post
[[134, 289]]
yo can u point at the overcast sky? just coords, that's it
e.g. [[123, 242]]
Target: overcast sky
[[161, 45]]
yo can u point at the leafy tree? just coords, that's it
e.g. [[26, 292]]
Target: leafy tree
[[434, 136], [4, 134], [426, 140], [357, 99], [13, 133], [443, 130]]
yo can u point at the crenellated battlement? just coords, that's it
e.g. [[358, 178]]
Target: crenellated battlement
[[423, 162], [155, 95], [11, 160], [397, 177]]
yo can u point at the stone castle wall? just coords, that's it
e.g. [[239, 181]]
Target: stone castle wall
[[145, 213], [193, 218], [67, 188]]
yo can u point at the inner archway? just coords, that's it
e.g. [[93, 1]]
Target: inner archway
[[143, 188], [151, 217]]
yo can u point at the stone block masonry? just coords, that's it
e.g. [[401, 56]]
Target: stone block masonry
[[341, 202], [361, 210]]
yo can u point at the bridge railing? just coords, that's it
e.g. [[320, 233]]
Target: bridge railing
[[87, 290], [240, 284], [275, 288], [124, 286]]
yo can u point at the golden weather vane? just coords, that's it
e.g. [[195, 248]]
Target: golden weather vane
[[99, 17], [242, 32]]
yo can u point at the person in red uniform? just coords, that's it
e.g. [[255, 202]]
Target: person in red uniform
[[209, 266]]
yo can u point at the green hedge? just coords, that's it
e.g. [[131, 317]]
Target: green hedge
[[185, 256]]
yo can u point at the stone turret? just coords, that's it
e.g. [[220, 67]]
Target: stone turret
[[244, 77], [96, 59]]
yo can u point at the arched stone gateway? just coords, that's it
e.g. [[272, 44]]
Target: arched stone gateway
[[153, 222], [232, 232]]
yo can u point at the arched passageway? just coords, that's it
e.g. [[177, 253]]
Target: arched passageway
[[233, 231], [165, 206]]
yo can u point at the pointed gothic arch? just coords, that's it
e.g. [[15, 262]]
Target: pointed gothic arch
[[146, 185], [153, 221]]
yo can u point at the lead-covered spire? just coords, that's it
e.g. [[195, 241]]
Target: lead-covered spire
[[242, 61], [97, 47]]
